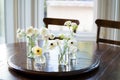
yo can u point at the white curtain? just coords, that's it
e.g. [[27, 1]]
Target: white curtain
[[109, 9], [22, 14]]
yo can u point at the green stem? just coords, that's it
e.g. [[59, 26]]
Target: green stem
[[31, 44], [64, 51]]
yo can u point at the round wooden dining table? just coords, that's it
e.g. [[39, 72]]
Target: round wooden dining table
[[105, 64]]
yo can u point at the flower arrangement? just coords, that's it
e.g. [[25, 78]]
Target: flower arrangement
[[31, 34], [65, 50], [46, 35], [72, 27]]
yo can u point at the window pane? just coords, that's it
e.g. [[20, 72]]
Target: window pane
[[83, 10]]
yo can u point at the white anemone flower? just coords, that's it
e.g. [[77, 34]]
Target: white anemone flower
[[67, 23], [30, 31], [52, 45], [72, 42], [72, 45]]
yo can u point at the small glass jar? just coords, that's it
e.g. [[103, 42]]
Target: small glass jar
[[30, 44], [45, 45], [63, 59], [40, 59], [63, 52], [39, 62], [63, 55]]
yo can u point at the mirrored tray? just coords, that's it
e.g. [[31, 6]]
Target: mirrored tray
[[83, 64]]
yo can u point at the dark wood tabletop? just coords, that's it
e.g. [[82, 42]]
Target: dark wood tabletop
[[109, 68]]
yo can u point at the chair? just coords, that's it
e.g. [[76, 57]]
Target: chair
[[107, 24], [58, 21]]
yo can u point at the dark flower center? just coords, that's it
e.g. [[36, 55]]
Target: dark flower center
[[37, 50], [51, 44], [71, 42]]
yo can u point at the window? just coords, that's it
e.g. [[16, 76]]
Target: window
[[83, 10]]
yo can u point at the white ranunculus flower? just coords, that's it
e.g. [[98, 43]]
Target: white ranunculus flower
[[36, 31], [19, 36], [67, 23], [20, 33], [51, 36], [30, 31], [44, 31], [45, 37]]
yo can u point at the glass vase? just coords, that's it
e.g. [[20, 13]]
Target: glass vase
[[40, 59], [30, 44], [39, 62], [63, 53], [45, 45], [63, 57]]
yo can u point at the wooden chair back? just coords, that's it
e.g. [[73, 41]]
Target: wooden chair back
[[107, 24], [58, 21]]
